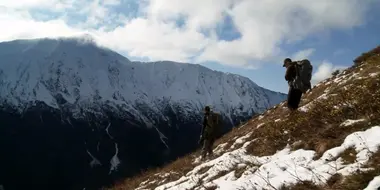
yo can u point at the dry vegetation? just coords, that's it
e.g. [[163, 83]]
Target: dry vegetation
[[349, 156], [319, 129], [174, 171], [352, 94], [358, 180], [239, 171], [365, 56], [302, 186]]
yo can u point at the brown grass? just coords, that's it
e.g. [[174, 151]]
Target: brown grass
[[334, 179], [220, 174], [211, 187], [374, 161], [239, 171], [318, 129], [176, 170], [204, 169], [360, 179], [321, 123], [349, 156], [228, 145], [365, 56], [304, 185], [356, 181]]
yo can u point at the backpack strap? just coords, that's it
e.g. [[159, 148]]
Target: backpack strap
[[297, 65]]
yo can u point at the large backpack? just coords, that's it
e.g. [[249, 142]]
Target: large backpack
[[304, 71], [214, 122]]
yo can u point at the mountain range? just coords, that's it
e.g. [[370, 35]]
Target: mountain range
[[76, 115]]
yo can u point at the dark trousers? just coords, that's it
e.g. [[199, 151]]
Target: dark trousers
[[294, 98], [207, 147]]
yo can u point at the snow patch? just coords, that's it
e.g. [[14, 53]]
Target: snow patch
[[307, 107], [283, 168], [259, 125], [94, 162], [114, 160], [162, 137], [304, 108], [350, 122], [373, 74], [352, 76], [108, 126], [219, 148], [241, 140], [374, 184]]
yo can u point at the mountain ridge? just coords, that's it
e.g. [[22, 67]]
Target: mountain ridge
[[70, 107], [115, 75]]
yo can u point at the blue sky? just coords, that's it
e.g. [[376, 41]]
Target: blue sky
[[246, 37], [339, 47]]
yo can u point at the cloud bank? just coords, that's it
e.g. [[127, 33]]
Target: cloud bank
[[324, 71], [239, 33]]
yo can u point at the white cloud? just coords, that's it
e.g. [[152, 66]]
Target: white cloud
[[26, 3], [21, 25], [264, 25], [111, 2], [51, 5], [324, 71], [303, 54]]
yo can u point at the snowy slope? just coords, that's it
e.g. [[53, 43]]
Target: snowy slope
[[76, 74], [286, 167], [280, 150]]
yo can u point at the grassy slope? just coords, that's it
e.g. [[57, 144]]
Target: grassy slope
[[352, 94]]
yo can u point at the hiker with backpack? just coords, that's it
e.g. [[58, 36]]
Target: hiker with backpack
[[298, 74], [210, 131]]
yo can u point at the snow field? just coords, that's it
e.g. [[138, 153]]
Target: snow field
[[286, 167]]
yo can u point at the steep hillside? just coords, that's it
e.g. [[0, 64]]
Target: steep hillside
[[331, 143], [78, 115]]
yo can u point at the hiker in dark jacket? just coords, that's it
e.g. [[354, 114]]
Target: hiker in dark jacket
[[294, 95], [207, 137]]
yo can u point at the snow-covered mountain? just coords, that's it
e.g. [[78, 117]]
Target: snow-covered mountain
[[87, 76], [72, 88]]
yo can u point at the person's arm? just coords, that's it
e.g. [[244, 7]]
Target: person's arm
[[202, 129], [290, 73], [203, 125], [287, 74]]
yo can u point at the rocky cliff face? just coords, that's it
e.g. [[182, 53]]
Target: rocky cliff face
[[79, 115]]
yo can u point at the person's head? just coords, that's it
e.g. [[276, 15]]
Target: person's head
[[287, 62], [207, 109]]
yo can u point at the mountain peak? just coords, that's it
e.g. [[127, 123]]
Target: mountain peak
[[87, 37], [51, 43]]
